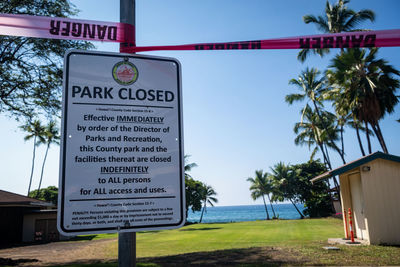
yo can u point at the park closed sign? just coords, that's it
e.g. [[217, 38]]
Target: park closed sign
[[122, 162]]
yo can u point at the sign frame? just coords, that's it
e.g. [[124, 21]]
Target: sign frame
[[63, 148]]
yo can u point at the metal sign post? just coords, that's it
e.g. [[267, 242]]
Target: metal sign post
[[127, 241]]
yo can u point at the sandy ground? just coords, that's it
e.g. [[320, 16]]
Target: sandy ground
[[56, 253]]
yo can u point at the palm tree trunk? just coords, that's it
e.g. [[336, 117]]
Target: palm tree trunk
[[335, 182], [341, 137], [326, 159], [202, 212], [301, 214], [383, 139], [272, 207], [377, 131], [265, 206], [341, 153], [33, 165], [369, 141], [41, 173], [359, 139], [327, 155]]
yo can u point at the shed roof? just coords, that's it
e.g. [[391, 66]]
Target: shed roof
[[356, 163], [9, 199]]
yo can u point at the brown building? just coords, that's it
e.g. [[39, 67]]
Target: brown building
[[25, 219], [370, 187]]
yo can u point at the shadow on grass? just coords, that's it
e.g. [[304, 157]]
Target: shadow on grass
[[149, 232], [83, 238], [263, 256], [200, 229], [11, 262]]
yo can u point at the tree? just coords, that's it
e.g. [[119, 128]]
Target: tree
[[35, 130], [193, 188], [193, 193], [207, 194], [261, 186], [316, 198], [31, 68], [311, 131], [188, 166], [337, 18], [284, 179], [312, 88], [51, 137], [49, 194], [366, 87]]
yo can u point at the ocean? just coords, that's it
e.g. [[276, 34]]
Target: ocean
[[245, 213]]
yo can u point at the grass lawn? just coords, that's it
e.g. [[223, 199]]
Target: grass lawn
[[210, 237], [260, 243]]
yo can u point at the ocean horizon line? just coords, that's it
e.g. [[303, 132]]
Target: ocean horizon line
[[240, 205]]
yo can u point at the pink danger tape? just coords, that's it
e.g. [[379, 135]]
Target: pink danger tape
[[64, 28], [383, 38]]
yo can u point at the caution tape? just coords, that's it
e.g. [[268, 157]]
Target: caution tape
[[64, 28]]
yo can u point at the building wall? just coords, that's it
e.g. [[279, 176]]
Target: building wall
[[345, 198], [348, 195], [29, 223], [381, 187], [11, 225]]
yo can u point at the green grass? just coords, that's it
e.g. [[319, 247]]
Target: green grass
[[210, 237], [260, 243]]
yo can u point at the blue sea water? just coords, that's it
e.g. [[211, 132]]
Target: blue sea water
[[245, 213]]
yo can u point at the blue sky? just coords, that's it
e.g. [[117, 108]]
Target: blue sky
[[235, 117]]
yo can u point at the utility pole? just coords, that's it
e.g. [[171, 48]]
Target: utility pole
[[127, 241]]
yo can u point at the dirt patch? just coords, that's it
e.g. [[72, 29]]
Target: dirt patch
[[56, 253]]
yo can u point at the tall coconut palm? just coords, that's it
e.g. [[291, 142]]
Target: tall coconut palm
[[312, 87], [261, 186], [51, 135], [36, 131], [208, 194], [344, 117], [312, 132], [337, 18], [368, 86], [309, 132], [269, 188]]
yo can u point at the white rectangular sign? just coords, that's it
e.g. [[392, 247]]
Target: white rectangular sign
[[122, 163]]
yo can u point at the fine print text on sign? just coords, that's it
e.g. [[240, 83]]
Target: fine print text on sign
[[122, 146]]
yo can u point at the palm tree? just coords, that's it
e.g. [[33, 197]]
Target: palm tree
[[269, 188], [35, 130], [188, 166], [257, 188], [208, 194], [337, 18], [51, 137], [312, 88], [367, 86], [284, 181], [310, 131]]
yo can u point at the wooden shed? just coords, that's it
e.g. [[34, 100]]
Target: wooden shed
[[370, 187]]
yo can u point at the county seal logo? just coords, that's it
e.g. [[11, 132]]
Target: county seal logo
[[125, 73]]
